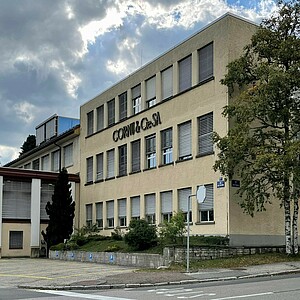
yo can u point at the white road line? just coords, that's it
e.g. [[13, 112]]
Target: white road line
[[196, 296], [244, 296], [82, 296]]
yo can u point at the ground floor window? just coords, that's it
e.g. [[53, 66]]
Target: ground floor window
[[150, 219], [110, 222], [206, 209], [16, 240], [166, 217], [122, 221]]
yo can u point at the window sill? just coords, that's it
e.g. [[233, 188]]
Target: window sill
[[99, 180], [205, 223], [165, 165], [89, 183], [182, 160], [153, 168], [205, 154], [135, 172], [123, 175], [110, 178]]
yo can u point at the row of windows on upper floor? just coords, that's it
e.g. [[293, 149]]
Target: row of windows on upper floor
[[184, 146], [148, 93], [51, 161], [106, 211]]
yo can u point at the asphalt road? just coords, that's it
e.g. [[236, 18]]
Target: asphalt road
[[277, 287]]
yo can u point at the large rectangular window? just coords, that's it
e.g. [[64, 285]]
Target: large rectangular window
[[206, 209], [122, 212], [111, 112], [36, 164], [110, 214], [151, 92], [89, 169], [111, 163], [89, 214], [99, 214], [150, 208], [123, 160], [185, 140], [135, 207], [136, 156], [205, 132], [47, 190], [16, 200], [151, 151], [185, 73], [100, 117], [167, 146], [206, 66], [166, 205], [183, 196], [90, 122], [55, 158], [44, 163], [99, 171], [136, 99], [16, 240], [123, 106], [68, 155], [167, 83]]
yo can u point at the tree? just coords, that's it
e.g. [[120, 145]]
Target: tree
[[141, 235], [262, 144], [175, 229], [60, 212], [29, 144]]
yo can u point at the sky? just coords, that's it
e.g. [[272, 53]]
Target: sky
[[55, 55]]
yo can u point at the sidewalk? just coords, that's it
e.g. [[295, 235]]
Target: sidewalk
[[122, 277]]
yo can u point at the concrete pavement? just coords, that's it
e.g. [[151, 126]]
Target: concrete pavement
[[66, 275]]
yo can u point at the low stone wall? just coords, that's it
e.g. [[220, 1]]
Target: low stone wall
[[140, 260], [170, 255], [178, 255]]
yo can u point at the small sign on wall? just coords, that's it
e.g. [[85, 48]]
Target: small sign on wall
[[235, 183], [221, 183]]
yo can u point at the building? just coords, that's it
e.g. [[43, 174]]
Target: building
[[146, 143], [23, 198]]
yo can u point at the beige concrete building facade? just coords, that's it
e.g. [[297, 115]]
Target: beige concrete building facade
[[146, 143]]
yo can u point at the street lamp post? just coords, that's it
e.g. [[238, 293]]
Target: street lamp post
[[200, 195]]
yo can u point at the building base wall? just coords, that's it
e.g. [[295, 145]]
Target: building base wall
[[35, 252]]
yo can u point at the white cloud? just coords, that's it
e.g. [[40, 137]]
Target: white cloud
[[8, 154], [25, 111]]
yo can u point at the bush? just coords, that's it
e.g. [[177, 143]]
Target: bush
[[113, 248], [141, 235], [116, 235]]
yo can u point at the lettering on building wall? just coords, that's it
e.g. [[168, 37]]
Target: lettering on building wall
[[136, 127]]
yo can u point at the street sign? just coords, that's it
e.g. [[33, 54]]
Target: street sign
[[201, 194]]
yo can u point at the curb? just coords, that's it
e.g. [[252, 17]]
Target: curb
[[137, 285]]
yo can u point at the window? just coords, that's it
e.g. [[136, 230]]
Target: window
[[47, 190], [166, 146], [55, 158], [167, 83], [89, 214], [135, 208], [27, 166], [166, 205], [122, 212], [90, 123], [183, 195], [136, 156], [136, 99], [151, 151], [206, 209], [111, 112], [150, 208], [110, 214], [89, 170], [123, 160], [99, 214], [206, 62], [36, 164], [16, 240], [44, 163], [151, 92], [185, 73], [123, 106], [99, 161], [185, 140], [100, 117], [16, 200], [68, 155], [205, 131], [111, 163]]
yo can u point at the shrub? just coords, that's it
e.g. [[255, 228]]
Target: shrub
[[116, 235], [113, 248], [141, 235]]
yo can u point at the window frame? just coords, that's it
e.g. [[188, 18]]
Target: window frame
[[16, 242], [167, 146], [206, 61], [122, 106], [111, 115], [90, 123], [122, 151], [150, 151]]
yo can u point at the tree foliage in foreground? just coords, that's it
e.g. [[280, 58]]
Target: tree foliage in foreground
[[262, 146], [29, 144], [61, 212]]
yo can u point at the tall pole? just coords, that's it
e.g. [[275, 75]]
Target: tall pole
[[188, 235]]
